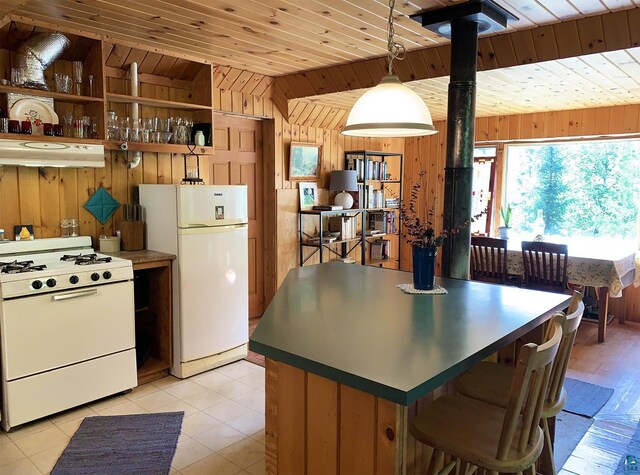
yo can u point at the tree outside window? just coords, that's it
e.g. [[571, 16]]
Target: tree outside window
[[580, 189]]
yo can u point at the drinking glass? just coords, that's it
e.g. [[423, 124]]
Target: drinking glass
[[47, 128], [14, 126], [78, 127], [26, 127], [4, 125], [63, 83], [58, 130], [17, 76]]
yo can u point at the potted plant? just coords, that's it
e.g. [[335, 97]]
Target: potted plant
[[418, 230], [506, 219]]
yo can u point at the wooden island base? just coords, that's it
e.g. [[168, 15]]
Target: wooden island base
[[337, 429]]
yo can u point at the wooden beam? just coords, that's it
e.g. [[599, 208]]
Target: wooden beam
[[606, 32], [280, 100]]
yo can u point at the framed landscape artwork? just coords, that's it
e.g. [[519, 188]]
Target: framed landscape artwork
[[304, 161], [308, 195]]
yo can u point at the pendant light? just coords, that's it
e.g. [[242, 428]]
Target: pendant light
[[390, 109]]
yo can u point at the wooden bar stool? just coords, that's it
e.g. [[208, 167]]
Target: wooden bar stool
[[490, 382], [497, 439]]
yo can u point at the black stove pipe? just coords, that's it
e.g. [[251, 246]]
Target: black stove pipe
[[460, 144]]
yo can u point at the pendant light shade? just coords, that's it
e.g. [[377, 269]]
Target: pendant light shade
[[390, 109]]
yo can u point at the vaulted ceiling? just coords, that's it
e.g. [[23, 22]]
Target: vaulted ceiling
[[559, 54]]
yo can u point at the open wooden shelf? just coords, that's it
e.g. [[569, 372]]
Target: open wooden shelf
[[150, 369], [145, 101], [157, 147], [59, 96], [326, 243]]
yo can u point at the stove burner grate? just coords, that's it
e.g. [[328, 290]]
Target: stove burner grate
[[18, 267], [85, 259]]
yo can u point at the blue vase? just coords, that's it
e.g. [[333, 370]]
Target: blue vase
[[424, 267]]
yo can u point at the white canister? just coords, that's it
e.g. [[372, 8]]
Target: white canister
[[109, 243], [199, 138]]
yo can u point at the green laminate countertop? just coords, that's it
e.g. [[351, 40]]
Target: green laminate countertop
[[351, 324]]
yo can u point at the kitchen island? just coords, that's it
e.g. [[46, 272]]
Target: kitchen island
[[351, 359]]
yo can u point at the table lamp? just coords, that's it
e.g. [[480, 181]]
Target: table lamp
[[343, 181]]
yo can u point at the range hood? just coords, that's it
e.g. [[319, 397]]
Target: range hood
[[50, 154]]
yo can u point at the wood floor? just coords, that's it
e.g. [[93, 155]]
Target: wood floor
[[614, 364]]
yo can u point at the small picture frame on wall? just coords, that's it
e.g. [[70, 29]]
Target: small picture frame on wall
[[304, 161], [308, 195]]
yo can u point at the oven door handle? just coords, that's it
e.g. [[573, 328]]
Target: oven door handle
[[74, 295]]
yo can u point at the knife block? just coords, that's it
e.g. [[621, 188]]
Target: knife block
[[132, 235]]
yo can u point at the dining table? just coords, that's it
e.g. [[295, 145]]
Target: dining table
[[351, 359], [605, 265]]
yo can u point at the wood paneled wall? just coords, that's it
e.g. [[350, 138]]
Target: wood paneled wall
[[43, 196], [429, 154]]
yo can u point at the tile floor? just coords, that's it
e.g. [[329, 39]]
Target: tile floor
[[222, 430]]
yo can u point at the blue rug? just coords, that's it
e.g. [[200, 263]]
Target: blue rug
[[570, 429], [141, 444], [585, 399]]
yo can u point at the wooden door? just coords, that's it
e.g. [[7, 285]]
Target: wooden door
[[238, 160]]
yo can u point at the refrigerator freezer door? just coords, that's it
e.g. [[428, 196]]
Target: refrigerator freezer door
[[211, 205], [214, 302]]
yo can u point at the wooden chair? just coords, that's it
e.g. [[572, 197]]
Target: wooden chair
[[490, 382], [545, 266], [486, 436], [488, 259]]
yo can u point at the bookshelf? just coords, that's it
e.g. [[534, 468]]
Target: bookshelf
[[379, 194], [339, 232]]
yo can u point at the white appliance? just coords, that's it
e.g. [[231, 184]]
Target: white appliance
[[67, 333], [51, 154], [206, 228]]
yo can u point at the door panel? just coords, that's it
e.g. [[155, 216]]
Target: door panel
[[238, 160]]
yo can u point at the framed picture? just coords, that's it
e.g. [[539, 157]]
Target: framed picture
[[304, 161], [308, 195]]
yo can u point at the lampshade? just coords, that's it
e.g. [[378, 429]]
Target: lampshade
[[390, 109], [343, 180]]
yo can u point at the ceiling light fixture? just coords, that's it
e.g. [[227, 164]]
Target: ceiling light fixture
[[390, 109]]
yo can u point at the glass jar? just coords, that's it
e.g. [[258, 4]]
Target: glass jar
[[73, 227], [1, 234], [64, 228]]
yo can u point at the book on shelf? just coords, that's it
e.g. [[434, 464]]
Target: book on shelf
[[316, 240], [380, 249], [327, 207], [345, 225]]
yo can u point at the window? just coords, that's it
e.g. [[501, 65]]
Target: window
[[576, 189], [484, 159]]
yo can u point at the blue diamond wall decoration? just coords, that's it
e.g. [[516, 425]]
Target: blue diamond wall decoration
[[102, 205]]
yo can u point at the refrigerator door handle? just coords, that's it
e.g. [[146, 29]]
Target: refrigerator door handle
[[212, 229]]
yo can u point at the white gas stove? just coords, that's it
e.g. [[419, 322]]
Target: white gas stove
[[67, 331]]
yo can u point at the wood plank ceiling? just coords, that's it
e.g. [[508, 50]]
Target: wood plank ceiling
[[603, 79], [285, 37]]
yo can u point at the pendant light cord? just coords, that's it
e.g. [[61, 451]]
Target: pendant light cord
[[395, 48]]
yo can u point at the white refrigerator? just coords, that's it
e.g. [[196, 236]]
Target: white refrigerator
[[206, 228]]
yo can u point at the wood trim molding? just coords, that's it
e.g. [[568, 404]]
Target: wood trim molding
[[607, 32]]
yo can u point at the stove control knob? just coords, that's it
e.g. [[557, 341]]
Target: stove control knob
[[106, 274], [74, 279], [95, 276], [36, 284], [51, 282]]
